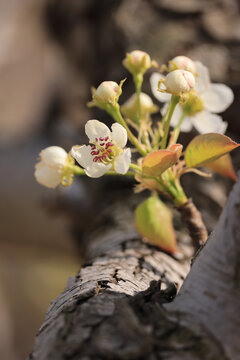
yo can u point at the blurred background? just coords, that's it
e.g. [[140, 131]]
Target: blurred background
[[51, 53]]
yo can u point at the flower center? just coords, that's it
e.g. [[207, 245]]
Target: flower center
[[103, 150], [194, 104]]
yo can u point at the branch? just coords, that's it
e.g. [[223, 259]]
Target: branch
[[211, 292]]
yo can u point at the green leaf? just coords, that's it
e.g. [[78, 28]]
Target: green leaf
[[208, 147], [153, 221], [157, 162], [223, 166]]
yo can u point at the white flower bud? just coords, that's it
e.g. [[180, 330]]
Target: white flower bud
[[107, 91], [178, 82], [49, 170], [130, 107], [182, 63], [137, 61], [54, 156]]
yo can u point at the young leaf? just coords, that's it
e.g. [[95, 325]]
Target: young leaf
[[223, 166], [153, 221], [157, 162], [208, 147]]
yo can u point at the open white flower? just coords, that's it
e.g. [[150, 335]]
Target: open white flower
[[49, 170], [106, 151], [207, 100]]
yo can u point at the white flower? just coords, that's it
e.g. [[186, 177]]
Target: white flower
[[179, 81], [106, 151], [49, 170], [209, 99]]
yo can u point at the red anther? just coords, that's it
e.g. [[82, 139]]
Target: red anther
[[106, 138], [109, 151], [102, 144], [101, 139], [108, 145], [95, 159], [93, 147], [104, 155], [94, 152], [96, 139]]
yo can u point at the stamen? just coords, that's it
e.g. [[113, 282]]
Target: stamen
[[102, 144], [95, 152], [109, 151], [106, 138], [101, 139], [93, 147], [108, 144]]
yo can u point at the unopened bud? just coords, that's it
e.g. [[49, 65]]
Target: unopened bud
[[130, 107], [178, 82], [137, 62], [182, 63], [107, 91]]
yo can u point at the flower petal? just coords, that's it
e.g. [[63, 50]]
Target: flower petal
[[82, 155], [122, 162], [217, 98], [97, 169], [203, 78], [119, 135], [54, 156], [95, 129], [154, 79], [47, 176], [206, 122]]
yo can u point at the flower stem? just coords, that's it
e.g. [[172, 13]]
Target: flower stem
[[138, 80], [115, 113], [174, 101], [177, 128]]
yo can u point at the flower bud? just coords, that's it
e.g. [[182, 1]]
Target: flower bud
[[137, 62], [52, 169], [182, 63], [130, 107], [178, 82], [107, 91]]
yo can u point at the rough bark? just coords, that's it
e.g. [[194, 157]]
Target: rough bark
[[113, 308]]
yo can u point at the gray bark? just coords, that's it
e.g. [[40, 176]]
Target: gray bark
[[114, 308]]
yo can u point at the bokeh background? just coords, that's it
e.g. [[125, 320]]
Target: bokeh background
[[51, 52]]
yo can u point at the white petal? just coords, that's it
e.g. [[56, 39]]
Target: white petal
[[206, 122], [154, 79], [217, 98], [119, 135], [54, 156], [122, 162], [47, 176], [97, 169], [82, 155], [203, 78], [95, 129]]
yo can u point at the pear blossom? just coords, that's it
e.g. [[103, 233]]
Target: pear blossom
[[107, 91], [205, 102], [106, 152], [179, 81], [182, 63], [50, 169], [137, 61]]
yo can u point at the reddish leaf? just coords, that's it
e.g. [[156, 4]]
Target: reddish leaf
[[223, 166], [207, 148], [157, 162]]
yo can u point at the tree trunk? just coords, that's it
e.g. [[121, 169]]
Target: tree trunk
[[114, 309]]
